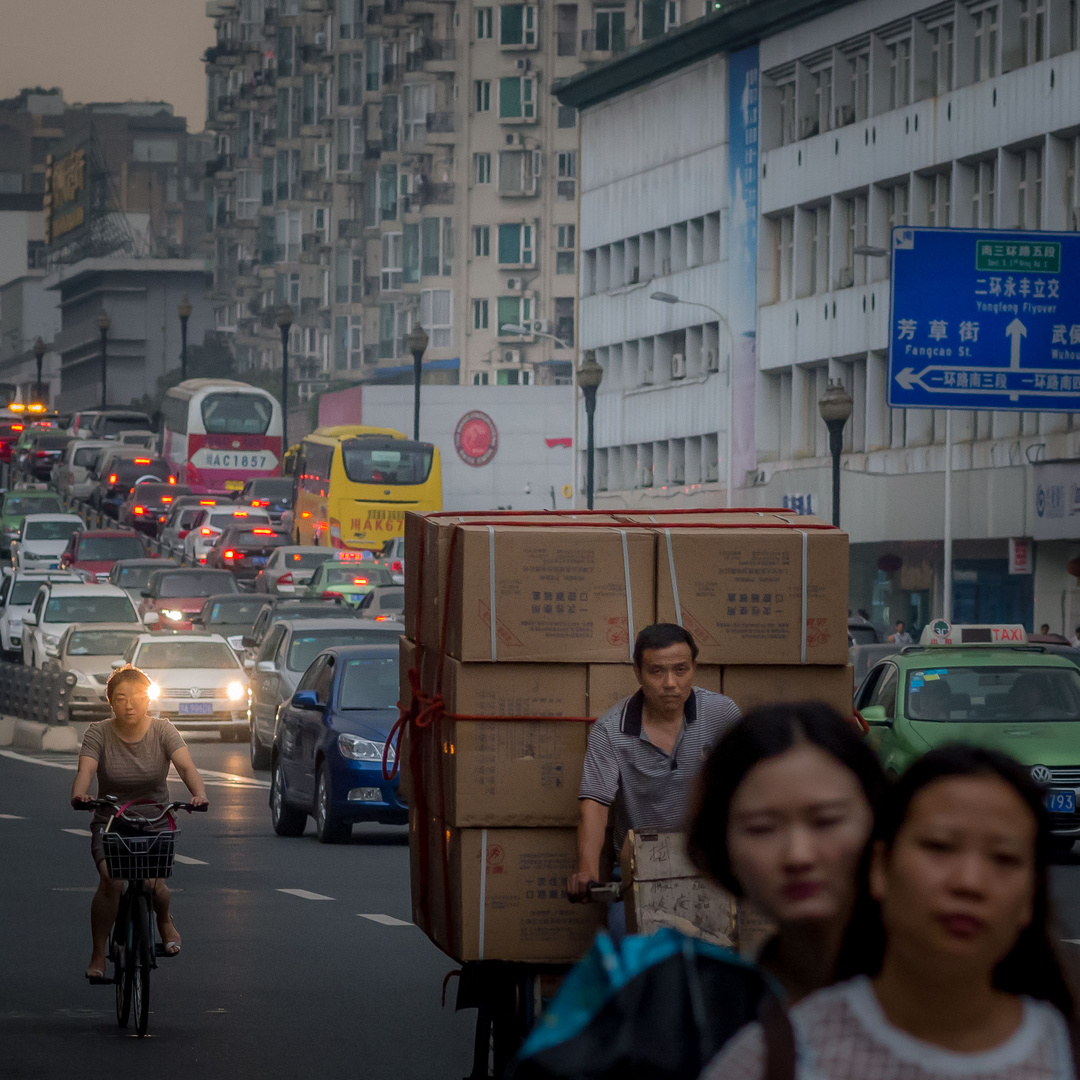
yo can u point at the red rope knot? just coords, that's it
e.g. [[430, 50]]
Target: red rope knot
[[421, 713]]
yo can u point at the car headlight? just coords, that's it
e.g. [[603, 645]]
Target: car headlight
[[235, 690], [153, 691], [358, 749], [173, 613]]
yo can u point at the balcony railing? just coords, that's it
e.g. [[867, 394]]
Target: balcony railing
[[440, 122], [437, 194], [604, 42]]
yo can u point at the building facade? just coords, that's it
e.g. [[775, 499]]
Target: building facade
[[382, 165], [871, 116]]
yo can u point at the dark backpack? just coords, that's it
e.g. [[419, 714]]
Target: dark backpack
[[657, 1007]]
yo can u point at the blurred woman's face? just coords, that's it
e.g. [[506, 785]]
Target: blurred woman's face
[[130, 702], [958, 886], [797, 827]]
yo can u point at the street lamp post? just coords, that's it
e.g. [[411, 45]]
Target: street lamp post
[[729, 438], [284, 320], [184, 311], [104, 322], [417, 343], [835, 407], [589, 375], [39, 355]]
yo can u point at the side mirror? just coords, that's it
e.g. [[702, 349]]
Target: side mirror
[[117, 664], [151, 618], [875, 714], [146, 592], [29, 619], [196, 620], [306, 700], [248, 641], [249, 663], [266, 667]]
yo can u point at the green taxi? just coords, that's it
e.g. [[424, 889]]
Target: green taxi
[[21, 501], [347, 580], [987, 686]]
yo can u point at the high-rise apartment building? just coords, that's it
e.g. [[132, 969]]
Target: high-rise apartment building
[[385, 164]]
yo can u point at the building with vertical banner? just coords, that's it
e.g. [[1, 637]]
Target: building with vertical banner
[[871, 117]]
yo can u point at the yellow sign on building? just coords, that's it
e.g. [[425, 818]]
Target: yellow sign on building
[[65, 181]]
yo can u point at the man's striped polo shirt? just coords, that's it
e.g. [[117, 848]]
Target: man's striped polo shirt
[[648, 788]]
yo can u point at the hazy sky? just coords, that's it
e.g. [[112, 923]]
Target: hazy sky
[[108, 50]]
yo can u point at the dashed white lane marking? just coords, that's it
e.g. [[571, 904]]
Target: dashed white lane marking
[[385, 920], [1070, 941], [78, 832], [187, 860], [70, 766], [12, 817], [305, 895]]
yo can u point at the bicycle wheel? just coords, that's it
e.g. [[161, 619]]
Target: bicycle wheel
[[121, 953], [139, 967]]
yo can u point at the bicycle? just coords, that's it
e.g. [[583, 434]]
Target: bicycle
[[136, 858]]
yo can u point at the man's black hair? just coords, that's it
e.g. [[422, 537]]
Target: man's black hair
[[661, 636]]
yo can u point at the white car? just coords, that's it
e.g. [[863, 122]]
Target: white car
[[17, 593], [197, 681], [58, 605], [393, 558], [72, 474], [213, 521], [43, 539], [289, 569]]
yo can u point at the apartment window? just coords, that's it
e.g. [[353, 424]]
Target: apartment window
[[566, 30], [516, 245], [786, 94], [566, 116], [986, 32], [418, 99], [436, 247], [984, 174], [481, 168], [564, 249], [483, 23], [860, 84], [388, 121], [392, 259], [287, 291], [784, 257], [248, 194], [388, 336], [350, 79], [288, 174], [517, 98], [350, 19], [388, 192], [1032, 29], [819, 249], [373, 63], [410, 253], [897, 208], [900, 73], [609, 29], [347, 287], [435, 316], [480, 378], [653, 18], [480, 314], [517, 25], [288, 113], [564, 320], [1029, 189], [286, 50], [287, 236], [307, 114], [519, 171], [350, 144], [566, 164], [940, 200], [853, 272], [321, 223], [822, 81], [481, 240], [482, 95], [513, 311], [941, 58]]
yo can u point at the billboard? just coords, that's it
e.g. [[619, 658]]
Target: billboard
[[67, 194]]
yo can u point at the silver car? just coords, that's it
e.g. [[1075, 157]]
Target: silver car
[[17, 593], [382, 603], [291, 568], [73, 475], [89, 650], [284, 656]]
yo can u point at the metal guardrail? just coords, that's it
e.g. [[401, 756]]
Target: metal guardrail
[[37, 694]]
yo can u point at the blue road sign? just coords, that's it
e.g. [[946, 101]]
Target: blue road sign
[[984, 319]]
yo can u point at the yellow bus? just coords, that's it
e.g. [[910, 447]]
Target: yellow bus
[[353, 484]]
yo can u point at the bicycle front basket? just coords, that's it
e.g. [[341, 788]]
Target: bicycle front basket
[[134, 858]]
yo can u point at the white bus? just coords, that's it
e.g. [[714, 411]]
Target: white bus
[[219, 433]]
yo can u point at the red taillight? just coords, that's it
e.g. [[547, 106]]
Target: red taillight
[[239, 513], [260, 502], [397, 567], [112, 478], [140, 510], [263, 532], [285, 579], [162, 519], [382, 618], [172, 479], [230, 554], [359, 580], [207, 502], [16, 427], [142, 461], [206, 532], [166, 499], [330, 595], [305, 513]]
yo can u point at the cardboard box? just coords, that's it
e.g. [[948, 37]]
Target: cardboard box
[[741, 593], [610, 683], [558, 593], [507, 895], [750, 686], [508, 689], [663, 888]]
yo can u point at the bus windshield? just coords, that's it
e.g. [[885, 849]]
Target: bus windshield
[[236, 414], [396, 461]]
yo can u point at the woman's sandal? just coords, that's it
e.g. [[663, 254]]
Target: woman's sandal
[[171, 948], [95, 977]]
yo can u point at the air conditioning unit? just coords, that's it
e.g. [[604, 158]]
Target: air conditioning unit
[[843, 115], [845, 277], [514, 139], [522, 65], [539, 326], [511, 356], [678, 365], [515, 284]]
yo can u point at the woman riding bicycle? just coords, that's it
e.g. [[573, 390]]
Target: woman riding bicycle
[[130, 755]]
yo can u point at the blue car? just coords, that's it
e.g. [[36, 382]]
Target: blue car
[[326, 760]]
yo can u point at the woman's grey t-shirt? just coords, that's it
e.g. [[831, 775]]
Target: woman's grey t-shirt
[[132, 770]]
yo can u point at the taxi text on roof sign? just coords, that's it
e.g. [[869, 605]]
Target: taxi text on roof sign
[[940, 632]]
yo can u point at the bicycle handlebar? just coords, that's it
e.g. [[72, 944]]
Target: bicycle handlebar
[[110, 802]]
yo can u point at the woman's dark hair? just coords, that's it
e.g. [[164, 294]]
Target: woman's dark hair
[[761, 734], [1033, 967], [123, 675], [661, 635]]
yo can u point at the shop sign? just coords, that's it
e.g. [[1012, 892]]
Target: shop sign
[[1055, 494], [1020, 556]]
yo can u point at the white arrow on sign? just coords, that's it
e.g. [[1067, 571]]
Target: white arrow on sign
[[1015, 331], [907, 378]]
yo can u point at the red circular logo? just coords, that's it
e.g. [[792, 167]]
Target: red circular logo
[[476, 438]]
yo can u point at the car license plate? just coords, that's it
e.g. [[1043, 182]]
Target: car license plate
[[1061, 802], [234, 485], [258, 560], [204, 708]]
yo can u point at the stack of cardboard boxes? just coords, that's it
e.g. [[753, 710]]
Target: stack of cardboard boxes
[[520, 628]]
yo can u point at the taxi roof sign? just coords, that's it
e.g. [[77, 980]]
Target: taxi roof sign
[[940, 632]]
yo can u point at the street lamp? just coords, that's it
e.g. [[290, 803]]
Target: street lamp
[[835, 408], [39, 355], [589, 375], [417, 343], [284, 320], [184, 311], [104, 322], [517, 328], [729, 472]]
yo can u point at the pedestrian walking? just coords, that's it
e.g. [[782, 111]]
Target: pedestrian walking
[[899, 636], [961, 978]]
